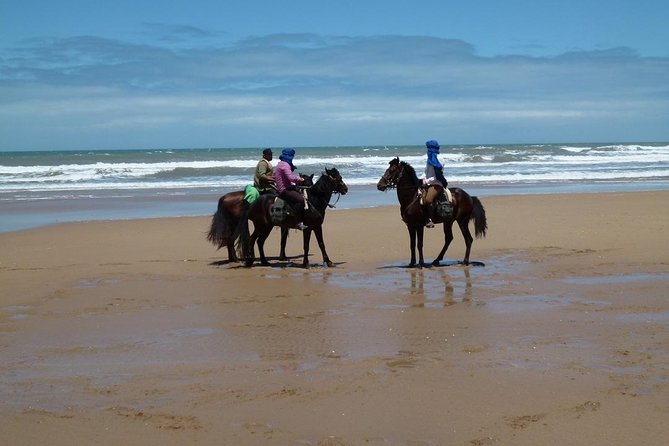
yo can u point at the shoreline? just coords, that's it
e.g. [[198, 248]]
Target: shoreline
[[140, 332], [79, 206]]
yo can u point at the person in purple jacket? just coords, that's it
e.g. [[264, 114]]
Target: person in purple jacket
[[286, 183]]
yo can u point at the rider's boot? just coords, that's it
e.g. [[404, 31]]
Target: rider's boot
[[429, 209], [299, 215]]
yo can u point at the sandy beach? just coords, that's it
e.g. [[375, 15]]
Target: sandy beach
[[139, 332]]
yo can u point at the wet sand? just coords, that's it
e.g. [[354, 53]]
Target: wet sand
[[140, 333]]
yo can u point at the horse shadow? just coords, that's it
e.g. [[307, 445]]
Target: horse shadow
[[442, 264], [276, 262], [446, 263], [222, 263]]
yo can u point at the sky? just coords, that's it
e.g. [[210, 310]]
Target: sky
[[133, 74]]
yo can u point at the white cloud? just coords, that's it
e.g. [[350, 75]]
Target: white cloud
[[308, 85]]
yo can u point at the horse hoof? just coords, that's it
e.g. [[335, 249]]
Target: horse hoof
[[436, 263], [248, 263], [329, 264], [265, 264]]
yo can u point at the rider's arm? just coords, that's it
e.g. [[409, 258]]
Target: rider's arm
[[439, 175]]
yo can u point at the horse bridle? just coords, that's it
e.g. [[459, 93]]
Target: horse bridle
[[391, 184], [336, 182]]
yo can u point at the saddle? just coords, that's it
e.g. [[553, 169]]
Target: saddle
[[443, 205], [279, 210]]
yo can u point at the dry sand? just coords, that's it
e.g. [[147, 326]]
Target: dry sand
[[138, 333]]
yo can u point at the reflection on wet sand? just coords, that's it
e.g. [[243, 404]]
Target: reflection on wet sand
[[354, 316], [431, 296]]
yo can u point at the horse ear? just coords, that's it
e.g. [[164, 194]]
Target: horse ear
[[394, 161]]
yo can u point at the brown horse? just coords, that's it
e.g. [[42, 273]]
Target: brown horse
[[402, 176], [225, 220], [318, 195]]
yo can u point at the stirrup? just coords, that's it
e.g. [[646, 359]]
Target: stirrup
[[301, 226], [429, 223]]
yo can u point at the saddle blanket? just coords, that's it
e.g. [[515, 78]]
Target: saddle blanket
[[444, 204], [279, 210]]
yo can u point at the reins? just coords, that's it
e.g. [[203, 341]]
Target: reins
[[330, 205], [395, 185]]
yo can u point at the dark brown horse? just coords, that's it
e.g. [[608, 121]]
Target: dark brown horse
[[402, 176], [225, 220], [319, 196]]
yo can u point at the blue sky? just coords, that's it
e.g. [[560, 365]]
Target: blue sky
[[78, 74]]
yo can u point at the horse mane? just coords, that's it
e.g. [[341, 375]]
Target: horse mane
[[408, 169], [319, 187]]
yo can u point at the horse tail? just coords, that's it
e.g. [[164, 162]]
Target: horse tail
[[220, 230], [480, 220], [242, 237]]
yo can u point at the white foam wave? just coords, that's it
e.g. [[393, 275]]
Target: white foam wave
[[481, 164], [352, 180]]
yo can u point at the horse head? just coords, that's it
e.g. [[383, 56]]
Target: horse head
[[391, 176], [308, 180], [338, 183]]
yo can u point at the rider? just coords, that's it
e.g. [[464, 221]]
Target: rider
[[263, 179], [286, 184], [434, 181]]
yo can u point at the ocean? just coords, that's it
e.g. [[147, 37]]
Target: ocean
[[46, 187]]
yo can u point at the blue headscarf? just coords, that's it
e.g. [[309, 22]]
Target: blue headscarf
[[287, 155], [432, 152]]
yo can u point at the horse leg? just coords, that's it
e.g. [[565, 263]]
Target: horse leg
[[306, 237], [421, 232], [318, 230], [412, 246], [251, 256], [448, 238], [232, 255], [464, 228], [261, 246], [284, 239]]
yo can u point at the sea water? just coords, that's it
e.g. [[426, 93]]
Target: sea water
[[45, 187]]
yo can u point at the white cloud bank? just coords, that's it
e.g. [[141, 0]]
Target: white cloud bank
[[305, 89]]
